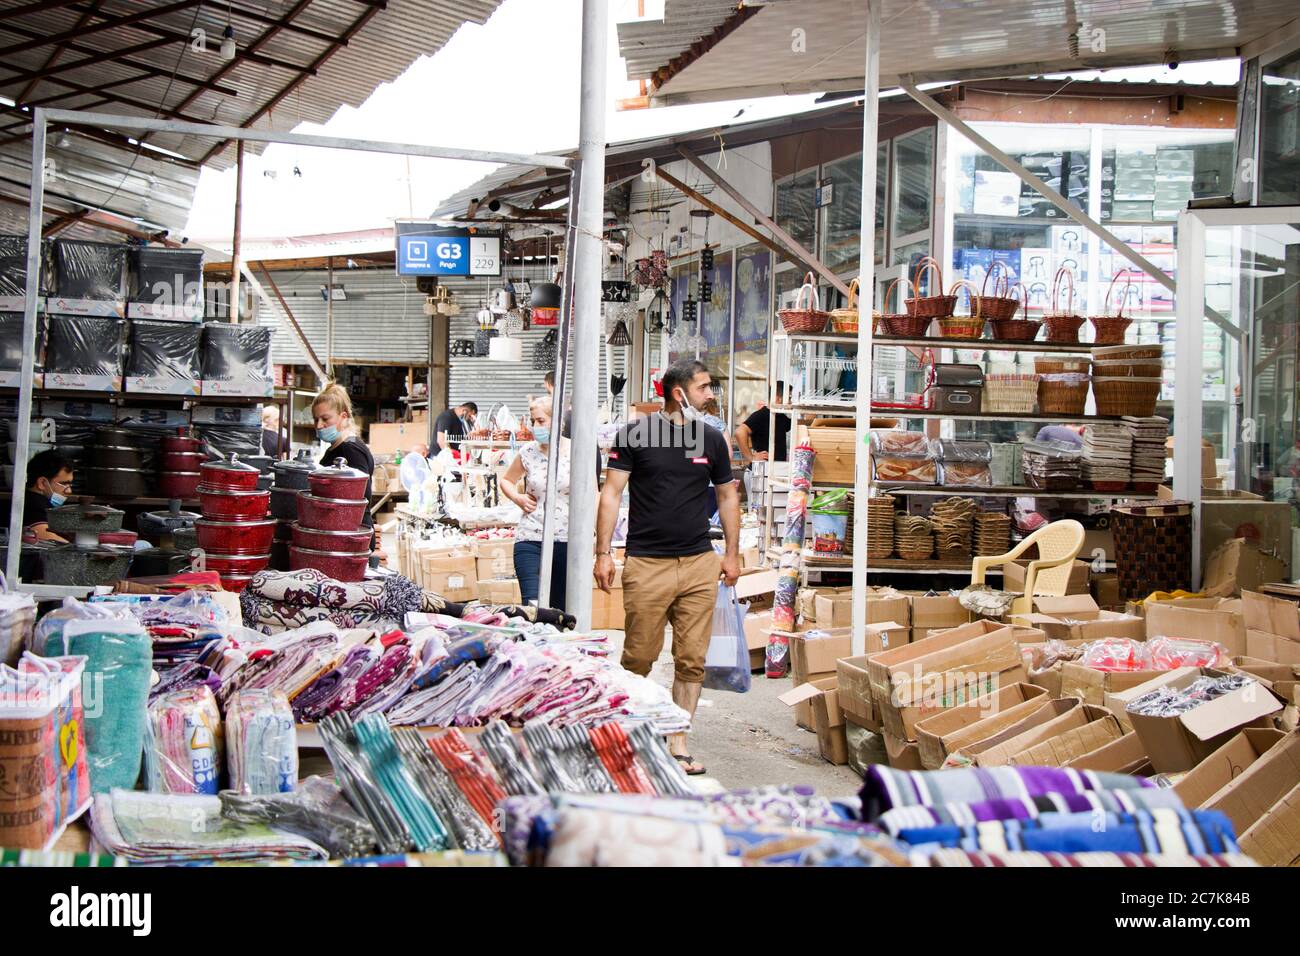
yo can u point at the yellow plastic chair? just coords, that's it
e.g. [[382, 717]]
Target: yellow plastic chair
[[1059, 543]]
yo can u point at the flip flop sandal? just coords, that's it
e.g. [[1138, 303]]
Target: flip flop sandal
[[687, 759]]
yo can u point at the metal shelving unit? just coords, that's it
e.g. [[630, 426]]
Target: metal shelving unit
[[1024, 491]]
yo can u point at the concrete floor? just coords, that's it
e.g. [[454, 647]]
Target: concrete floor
[[749, 740]]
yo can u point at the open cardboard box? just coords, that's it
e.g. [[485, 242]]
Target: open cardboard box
[[911, 682], [1093, 685], [1263, 803], [822, 699], [1225, 765], [901, 754], [1272, 628], [1077, 618], [1056, 718], [833, 607], [1124, 755], [1179, 743], [1238, 565], [758, 627], [1093, 734], [813, 654], [1203, 619], [948, 730], [854, 684], [934, 612]]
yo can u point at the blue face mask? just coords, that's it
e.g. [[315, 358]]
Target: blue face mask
[[327, 434], [57, 499], [543, 435]]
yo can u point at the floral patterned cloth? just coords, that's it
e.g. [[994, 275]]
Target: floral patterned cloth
[[534, 461]]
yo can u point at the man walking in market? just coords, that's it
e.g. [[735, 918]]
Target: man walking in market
[[671, 574]]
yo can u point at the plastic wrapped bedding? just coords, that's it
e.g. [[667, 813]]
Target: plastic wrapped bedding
[[86, 345], [89, 270], [171, 277], [237, 354], [11, 340], [167, 350], [13, 266]]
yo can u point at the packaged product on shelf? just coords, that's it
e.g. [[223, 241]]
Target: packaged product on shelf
[[237, 360], [163, 358], [85, 352], [183, 748], [166, 284], [13, 273], [227, 440], [89, 278], [11, 348], [1052, 466], [900, 444], [897, 468]]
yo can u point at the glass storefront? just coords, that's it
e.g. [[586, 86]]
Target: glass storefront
[[1279, 132]]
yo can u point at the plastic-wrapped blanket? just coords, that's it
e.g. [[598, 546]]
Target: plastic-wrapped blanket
[[184, 749], [261, 742], [316, 811]]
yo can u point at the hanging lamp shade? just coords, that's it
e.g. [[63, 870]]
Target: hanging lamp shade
[[506, 349], [620, 334]]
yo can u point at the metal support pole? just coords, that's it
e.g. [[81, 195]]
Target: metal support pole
[[26, 384], [1188, 347], [236, 241], [585, 264], [866, 282], [1055, 198], [329, 316]]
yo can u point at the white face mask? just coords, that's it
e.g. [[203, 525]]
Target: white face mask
[[689, 412]]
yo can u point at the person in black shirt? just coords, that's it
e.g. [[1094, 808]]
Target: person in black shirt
[[49, 482], [332, 409], [671, 573], [453, 425], [754, 438], [273, 444]]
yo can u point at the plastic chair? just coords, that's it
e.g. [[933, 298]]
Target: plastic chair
[[1059, 543]]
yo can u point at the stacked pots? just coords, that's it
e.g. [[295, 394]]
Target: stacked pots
[[117, 465], [234, 530], [291, 477], [88, 560], [179, 460], [328, 535]]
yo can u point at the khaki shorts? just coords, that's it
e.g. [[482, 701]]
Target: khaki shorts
[[677, 591]]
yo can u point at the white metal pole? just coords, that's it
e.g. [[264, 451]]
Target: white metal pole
[[866, 284], [586, 264], [1189, 305], [35, 214]]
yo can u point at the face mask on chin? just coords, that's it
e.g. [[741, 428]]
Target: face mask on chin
[[689, 412]]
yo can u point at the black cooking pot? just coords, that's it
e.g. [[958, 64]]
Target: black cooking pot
[[293, 474], [156, 562], [117, 456], [118, 482]]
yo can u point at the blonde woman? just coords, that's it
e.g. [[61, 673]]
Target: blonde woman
[[335, 426], [530, 464]]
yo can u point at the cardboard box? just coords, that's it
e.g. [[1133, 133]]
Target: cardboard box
[[1263, 806], [751, 558], [1077, 618], [1028, 718], [1059, 750], [1241, 514], [495, 548], [902, 754], [1272, 615], [943, 611], [886, 604], [946, 731], [812, 658], [759, 581], [498, 567], [1124, 755], [822, 700], [916, 680], [1013, 577], [1177, 744], [1225, 765], [1023, 748], [1105, 590], [854, 685], [882, 637], [1238, 565], [1271, 647], [1093, 685], [503, 591], [1204, 619], [387, 439], [1117, 701], [758, 626]]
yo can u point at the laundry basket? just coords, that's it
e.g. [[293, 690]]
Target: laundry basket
[[1153, 547]]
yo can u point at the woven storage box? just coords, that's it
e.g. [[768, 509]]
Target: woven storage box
[[1126, 396], [1050, 365], [1129, 353], [1010, 393], [1127, 368], [1065, 394], [1153, 547]]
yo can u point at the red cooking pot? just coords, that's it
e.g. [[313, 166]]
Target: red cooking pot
[[237, 564], [233, 505], [329, 514], [339, 482], [232, 475], [181, 442], [235, 582], [182, 461], [179, 484], [351, 542], [235, 537], [339, 565]]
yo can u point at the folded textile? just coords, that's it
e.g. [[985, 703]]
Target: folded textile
[[182, 677], [387, 669], [183, 753], [163, 828], [261, 742], [283, 600], [316, 810], [885, 788], [665, 771], [1163, 831], [1072, 860], [1025, 808], [589, 837], [291, 667], [331, 691], [471, 649]]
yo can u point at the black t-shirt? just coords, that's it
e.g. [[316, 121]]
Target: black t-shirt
[[449, 422], [670, 469], [272, 443], [759, 426], [35, 508], [356, 454]]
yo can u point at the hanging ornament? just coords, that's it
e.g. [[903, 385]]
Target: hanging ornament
[[620, 335]]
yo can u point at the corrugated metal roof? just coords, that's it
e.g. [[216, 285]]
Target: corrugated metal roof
[[647, 45], [934, 40]]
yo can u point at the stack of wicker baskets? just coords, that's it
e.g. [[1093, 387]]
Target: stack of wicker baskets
[[880, 527], [1062, 384], [954, 521], [913, 537], [1127, 379], [992, 533]]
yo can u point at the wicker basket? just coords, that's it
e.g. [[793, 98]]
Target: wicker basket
[[1129, 353], [999, 306], [1062, 394], [1109, 327], [886, 319], [1126, 396], [963, 326], [912, 326], [1127, 368], [880, 526], [1051, 365], [1153, 547], [845, 320], [1062, 326], [916, 547], [1009, 393], [1016, 330], [810, 320], [930, 306]]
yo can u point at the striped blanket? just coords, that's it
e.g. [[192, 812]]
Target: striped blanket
[[1069, 860], [1027, 808]]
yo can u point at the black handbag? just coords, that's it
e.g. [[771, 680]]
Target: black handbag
[[545, 352], [482, 342]]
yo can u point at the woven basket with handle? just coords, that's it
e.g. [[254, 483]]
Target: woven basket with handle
[[1109, 329], [963, 326], [930, 306], [808, 319], [845, 320], [1062, 325], [1000, 305]]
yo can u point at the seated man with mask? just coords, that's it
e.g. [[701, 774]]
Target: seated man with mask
[[49, 482]]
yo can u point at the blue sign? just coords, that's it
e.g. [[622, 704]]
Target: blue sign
[[433, 255]]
